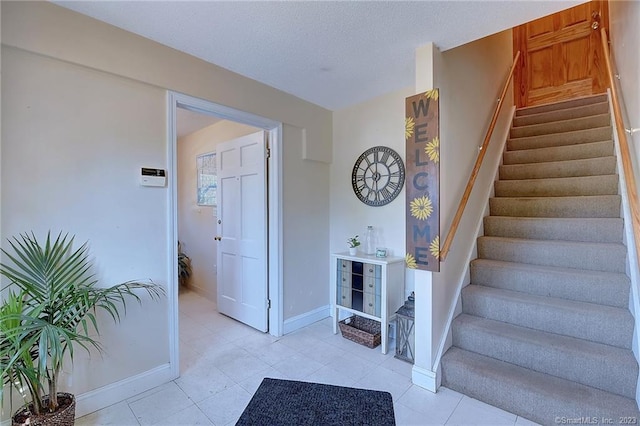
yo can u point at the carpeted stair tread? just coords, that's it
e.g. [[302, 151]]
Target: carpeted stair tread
[[562, 114], [605, 288], [545, 329], [573, 206], [539, 397], [608, 257], [558, 127], [556, 169], [558, 187], [576, 137], [605, 367], [572, 103], [597, 323], [604, 230], [560, 153]]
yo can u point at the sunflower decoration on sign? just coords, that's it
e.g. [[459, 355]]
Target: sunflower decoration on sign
[[434, 247], [433, 150], [409, 126], [431, 94], [410, 261], [421, 207]]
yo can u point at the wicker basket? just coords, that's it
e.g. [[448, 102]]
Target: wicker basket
[[361, 330]]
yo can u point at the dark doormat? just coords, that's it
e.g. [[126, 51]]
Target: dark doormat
[[288, 402]]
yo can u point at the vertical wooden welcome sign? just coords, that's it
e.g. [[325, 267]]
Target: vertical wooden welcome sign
[[422, 138]]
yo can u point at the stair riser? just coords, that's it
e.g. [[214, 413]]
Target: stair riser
[[604, 289], [561, 139], [535, 396], [609, 326], [560, 153], [559, 169], [589, 256], [561, 115], [601, 366], [585, 230], [595, 206], [561, 126], [558, 187], [574, 103]]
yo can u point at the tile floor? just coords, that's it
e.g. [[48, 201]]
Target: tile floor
[[222, 363]]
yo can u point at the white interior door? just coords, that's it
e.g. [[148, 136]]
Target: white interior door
[[242, 230]]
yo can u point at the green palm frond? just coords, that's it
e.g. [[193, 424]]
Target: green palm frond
[[54, 310]]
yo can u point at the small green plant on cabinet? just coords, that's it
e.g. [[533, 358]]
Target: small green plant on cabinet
[[353, 242], [50, 310], [184, 266]]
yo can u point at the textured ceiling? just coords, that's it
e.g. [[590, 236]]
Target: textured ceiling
[[333, 54]]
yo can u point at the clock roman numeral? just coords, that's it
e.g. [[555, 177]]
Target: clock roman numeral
[[385, 193]]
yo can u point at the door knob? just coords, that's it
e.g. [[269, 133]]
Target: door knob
[[595, 25], [218, 238]]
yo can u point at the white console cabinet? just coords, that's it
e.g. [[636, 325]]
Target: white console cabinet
[[368, 286]]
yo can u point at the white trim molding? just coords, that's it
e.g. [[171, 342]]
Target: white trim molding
[[275, 233], [308, 318], [97, 399]]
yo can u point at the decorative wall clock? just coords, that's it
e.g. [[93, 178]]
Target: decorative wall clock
[[378, 176]]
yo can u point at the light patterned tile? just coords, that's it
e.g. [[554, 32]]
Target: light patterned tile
[[203, 381], [117, 414], [394, 364], [406, 416], [242, 366], [160, 405], [330, 376], [323, 352], [473, 412], [437, 406], [252, 383], [351, 366], [187, 417], [297, 367], [385, 380], [226, 406]]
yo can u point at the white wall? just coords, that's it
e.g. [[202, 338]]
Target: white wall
[[624, 18], [470, 79], [379, 121], [197, 224], [624, 24], [84, 107]]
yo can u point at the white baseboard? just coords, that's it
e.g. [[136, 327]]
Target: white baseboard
[[308, 318], [424, 378], [105, 396]]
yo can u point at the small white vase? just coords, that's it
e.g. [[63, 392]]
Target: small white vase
[[353, 251]]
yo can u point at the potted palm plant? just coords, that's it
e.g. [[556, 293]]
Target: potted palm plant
[[50, 309]]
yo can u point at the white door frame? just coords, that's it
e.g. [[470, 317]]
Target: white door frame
[[274, 201]]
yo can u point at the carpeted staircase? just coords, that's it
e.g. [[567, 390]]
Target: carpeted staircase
[[545, 330]]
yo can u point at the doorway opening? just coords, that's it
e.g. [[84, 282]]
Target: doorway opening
[[178, 104]]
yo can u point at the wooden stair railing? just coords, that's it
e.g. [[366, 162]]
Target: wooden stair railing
[[446, 246], [625, 155]]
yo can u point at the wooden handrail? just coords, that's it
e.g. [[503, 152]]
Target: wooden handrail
[[627, 167], [476, 168]]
